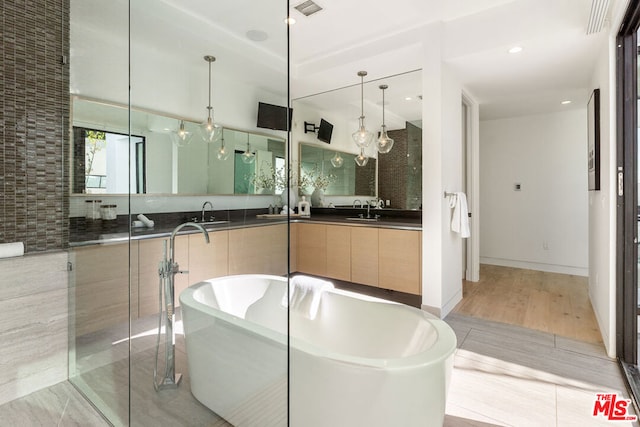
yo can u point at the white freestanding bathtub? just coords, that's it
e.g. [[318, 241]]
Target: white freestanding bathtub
[[360, 361]]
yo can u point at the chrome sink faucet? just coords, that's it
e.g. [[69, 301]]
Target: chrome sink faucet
[[358, 202], [204, 205]]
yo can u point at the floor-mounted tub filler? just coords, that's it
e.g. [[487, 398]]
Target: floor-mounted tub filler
[[353, 360]]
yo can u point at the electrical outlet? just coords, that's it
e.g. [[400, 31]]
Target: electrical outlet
[[545, 245]]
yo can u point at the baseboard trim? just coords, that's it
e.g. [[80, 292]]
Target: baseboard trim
[[550, 268]]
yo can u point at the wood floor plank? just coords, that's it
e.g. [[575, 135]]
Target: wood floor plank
[[550, 302]]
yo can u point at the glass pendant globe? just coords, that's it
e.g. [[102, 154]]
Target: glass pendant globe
[[361, 159], [384, 144], [223, 152], [248, 157], [182, 136], [362, 137], [210, 131], [337, 160]]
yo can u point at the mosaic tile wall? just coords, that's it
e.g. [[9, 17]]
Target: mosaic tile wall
[[34, 123], [392, 171], [400, 170]]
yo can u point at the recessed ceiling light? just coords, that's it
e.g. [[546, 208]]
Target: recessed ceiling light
[[515, 49], [408, 98], [257, 35], [290, 21], [565, 102]]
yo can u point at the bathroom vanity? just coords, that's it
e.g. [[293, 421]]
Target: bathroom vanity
[[381, 254]]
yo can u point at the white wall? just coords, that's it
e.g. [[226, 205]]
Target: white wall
[[442, 171], [543, 226], [602, 204]]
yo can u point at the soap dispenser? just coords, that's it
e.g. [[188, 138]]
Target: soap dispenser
[[304, 208]]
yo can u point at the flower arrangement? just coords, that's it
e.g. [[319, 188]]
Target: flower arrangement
[[265, 178], [316, 179]]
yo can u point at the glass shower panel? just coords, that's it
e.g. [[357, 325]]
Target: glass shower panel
[[99, 296], [221, 355]]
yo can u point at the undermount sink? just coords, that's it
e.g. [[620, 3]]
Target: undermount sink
[[357, 218]]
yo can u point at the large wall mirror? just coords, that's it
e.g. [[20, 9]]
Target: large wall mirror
[[337, 170], [146, 60], [395, 176], [101, 153]]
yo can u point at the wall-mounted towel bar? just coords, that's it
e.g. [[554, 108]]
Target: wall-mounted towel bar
[[447, 194]]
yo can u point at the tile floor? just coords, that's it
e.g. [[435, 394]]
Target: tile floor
[[504, 375]]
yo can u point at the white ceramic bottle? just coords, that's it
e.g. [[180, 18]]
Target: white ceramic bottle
[[304, 208]]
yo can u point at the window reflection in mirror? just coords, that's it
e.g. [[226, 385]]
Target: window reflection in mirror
[[105, 163]]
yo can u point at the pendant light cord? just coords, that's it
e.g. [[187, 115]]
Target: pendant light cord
[[209, 106]]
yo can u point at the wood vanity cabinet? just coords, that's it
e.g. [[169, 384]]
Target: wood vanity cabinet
[[260, 250], [381, 257], [207, 261], [312, 249], [399, 258], [100, 285], [364, 255], [338, 252]]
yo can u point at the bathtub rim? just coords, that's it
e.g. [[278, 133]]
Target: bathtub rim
[[443, 347]]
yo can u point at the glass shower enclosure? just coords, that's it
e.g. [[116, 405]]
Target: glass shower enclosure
[[139, 74]]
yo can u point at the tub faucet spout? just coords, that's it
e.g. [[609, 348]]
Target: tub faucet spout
[[167, 272]]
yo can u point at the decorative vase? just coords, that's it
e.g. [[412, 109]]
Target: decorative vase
[[317, 197], [292, 196]]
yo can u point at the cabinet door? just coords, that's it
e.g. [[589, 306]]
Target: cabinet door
[[338, 252], [207, 261], [293, 247], [399, 260], [364, 255], [101, 276], [150, 252], [260, 250], [312, 249]]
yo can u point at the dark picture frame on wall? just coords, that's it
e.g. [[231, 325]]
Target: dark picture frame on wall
[[593, 138]]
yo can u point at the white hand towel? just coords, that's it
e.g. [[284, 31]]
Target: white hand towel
[[304, 295], [460, 216], [8, 250], [146, 221]]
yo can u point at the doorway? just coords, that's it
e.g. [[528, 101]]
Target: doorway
[[627, 188]]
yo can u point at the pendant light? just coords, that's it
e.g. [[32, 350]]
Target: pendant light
[[361, 159], [337, 160], [208, 129], [182, 136], [248, 157], [223, 151], [362, 137], [384, 143]]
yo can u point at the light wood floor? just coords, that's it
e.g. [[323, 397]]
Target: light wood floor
[[549, 302]]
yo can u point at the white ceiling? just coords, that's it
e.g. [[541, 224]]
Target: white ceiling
[[556, 64], [383, 37]]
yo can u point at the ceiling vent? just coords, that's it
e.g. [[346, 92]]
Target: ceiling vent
[[597, 17], [308, 8]]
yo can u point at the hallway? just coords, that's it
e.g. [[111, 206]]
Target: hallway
[[548, 302]]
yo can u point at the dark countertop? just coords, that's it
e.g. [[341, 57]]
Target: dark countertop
[[90, 232]]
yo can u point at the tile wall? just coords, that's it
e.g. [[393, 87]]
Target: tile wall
[[34, 118]]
